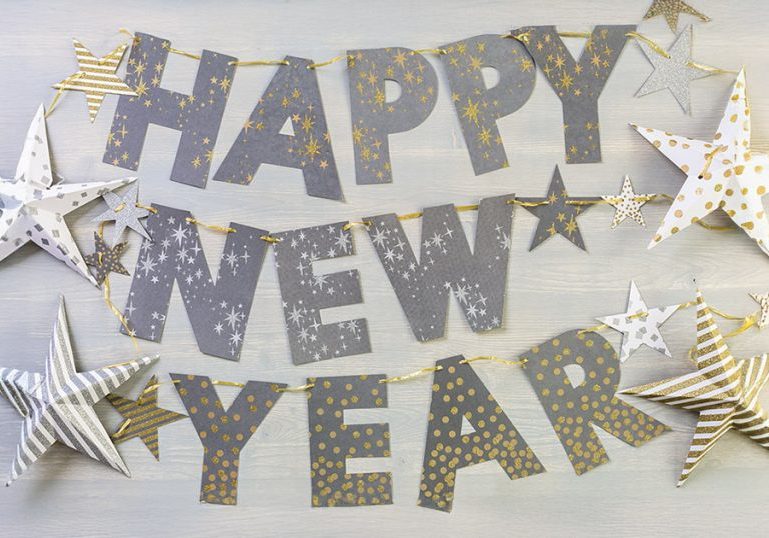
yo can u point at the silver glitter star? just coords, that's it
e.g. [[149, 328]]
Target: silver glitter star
[[673, 73], [125, 213]]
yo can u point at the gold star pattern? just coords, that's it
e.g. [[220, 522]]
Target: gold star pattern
[[478, 107], [724, 392], [578, 83], [96, 77], [670, 9], [105, 259]]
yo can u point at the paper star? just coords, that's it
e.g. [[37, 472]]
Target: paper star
[[96, 77], [720, 174], [670, 9], [58, 405], [557, 216], [639, 324], [106, 259], [124, 211], [33, 208], [763, 300], [143, 417], [627, 204], [722, 390], [673, 73]]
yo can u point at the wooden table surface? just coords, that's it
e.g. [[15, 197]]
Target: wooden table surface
[[550, 290]]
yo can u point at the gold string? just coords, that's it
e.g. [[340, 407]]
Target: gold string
[[214, 227], [245, 63], [300, 388], [412, 375], [469, 207], [122, 428], [492, 358], [349, 225], [429, 51], [270, 239], [183, 53], [654, 46], [147, 208], [331, 61], [227, 383], [521, 203], [61, 90], [710, 69], [409, 216], [575, 34]]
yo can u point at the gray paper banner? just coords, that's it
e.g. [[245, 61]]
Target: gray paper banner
[[306, 293], [223, 434], [578, 84], [446, 265], [573, 409], [197, 115], [218, 311], [373, 118], [332, 441], [459, 393], [293, 94], [478, 108]]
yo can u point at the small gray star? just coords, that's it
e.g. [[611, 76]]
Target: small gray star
[[125, 213], [673, 73], [106, 259]]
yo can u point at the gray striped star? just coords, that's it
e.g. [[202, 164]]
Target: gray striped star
[[58, 405]]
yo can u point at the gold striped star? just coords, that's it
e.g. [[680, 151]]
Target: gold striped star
[[722, 390], [143, 417], [96, 77]]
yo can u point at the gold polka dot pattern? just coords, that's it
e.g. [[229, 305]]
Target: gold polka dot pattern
[[223, 433], [572, 410], [458, 392], [332, 441]]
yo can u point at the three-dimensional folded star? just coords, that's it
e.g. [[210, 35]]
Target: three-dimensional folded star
[[722, 174], [58, 405], [722, 390], [33, 209], [627, 204], [763, 301], [143, 417], [673, 72], [125, 211], [670, 9], [106, 259], [557, 213], [639, 324], [96, 77]]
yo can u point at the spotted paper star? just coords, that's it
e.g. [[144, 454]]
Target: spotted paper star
[[627, 204], [33, 209], [106, 259], [724, 173], [674, 72], [126, 213], [556, 215], [763, 300], [670, 9], [143, 417], [96, 77], [639, 324], [58, 405], [725, 392]]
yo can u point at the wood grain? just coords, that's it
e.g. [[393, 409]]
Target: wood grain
[[550, 290]]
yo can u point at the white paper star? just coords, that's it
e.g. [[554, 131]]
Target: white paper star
[[722, 174], [58, 405], [673, 73], [639, 325], [763, 300], [627, 204], [33, 209]]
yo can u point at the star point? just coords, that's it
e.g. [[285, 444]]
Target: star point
[[671, 9], [58, 405], [724, 392]]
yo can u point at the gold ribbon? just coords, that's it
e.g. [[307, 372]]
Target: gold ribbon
[[214, 227], [412, 375]]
